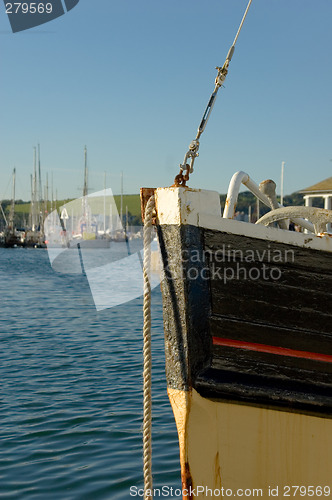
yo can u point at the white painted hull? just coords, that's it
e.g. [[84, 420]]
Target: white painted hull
[[239, 447]]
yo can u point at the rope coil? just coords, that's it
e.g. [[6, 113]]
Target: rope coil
[[147, 360]]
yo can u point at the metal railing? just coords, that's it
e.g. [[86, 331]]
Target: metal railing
[[233, 193]]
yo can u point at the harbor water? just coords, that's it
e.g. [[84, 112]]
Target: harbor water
[[71, 389]]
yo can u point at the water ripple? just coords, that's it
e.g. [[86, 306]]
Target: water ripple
[[71, 389]]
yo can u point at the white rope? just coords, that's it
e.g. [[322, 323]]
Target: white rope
[[147, 399]]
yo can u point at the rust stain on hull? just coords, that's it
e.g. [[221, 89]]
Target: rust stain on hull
[[181, 403], [187, 481], [145, 195], [217, 472]]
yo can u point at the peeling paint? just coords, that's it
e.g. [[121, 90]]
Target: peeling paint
[[228, 203]]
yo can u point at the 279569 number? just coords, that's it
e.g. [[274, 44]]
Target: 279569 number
[[310, 491], [28, 8]]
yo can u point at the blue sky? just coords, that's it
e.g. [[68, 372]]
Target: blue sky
[[131, 79]]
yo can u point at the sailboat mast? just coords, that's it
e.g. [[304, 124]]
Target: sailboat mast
[[52, 192], [46, 198], [3, 214], [31, 204], [12, 207], [85, 188], [40, 194], [121, 205], [282, 183], [85, 210], [104, 202], [34, 191]]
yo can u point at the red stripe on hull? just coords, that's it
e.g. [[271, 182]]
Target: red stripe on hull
[[270, 349]]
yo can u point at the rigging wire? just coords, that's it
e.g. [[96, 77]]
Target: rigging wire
[[192, 153]]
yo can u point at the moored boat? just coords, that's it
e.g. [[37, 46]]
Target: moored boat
[[248, 339], [87, 235], [247, 319], [11, 236]]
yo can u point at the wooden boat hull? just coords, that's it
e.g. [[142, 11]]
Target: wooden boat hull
[[247, 319], [239, 447]]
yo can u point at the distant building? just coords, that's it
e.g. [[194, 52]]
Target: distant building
[[322, 189]]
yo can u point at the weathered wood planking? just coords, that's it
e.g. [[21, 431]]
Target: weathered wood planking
[[297, 299], [291, 312], [286, 337]]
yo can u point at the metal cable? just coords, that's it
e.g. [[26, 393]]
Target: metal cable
[[241, 24], [192, 153]]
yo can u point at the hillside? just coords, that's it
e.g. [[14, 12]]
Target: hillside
[[132, 201], [23, 209]]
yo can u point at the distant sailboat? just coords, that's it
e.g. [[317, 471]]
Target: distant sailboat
[[11, 237], [87, 230], [35, 237], [120, 235]]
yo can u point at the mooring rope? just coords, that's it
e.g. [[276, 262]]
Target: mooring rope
[[147, 398]]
